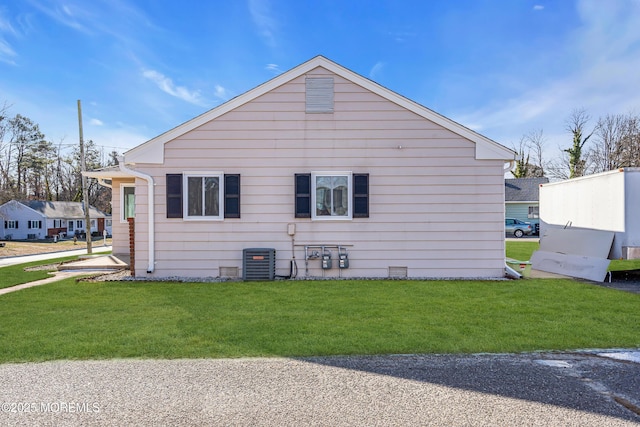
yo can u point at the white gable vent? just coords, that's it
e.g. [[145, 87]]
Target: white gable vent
[[319, 94]]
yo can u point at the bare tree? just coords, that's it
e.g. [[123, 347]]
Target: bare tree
[[605, 152], [616, 143], [522, 160], [576, 125], [525, 167], [628, 150], [536, 142]]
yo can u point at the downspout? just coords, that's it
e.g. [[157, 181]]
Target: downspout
[[510, 272], [151, 209]]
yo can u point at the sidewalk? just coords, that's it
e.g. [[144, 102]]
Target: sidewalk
[[13, 260], [76, 268]]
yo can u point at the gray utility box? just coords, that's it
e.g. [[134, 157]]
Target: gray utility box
[[258, 264]]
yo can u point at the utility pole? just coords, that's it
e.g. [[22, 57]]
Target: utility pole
[[85, 190]]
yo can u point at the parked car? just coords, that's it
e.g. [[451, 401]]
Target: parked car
[[517, 228]]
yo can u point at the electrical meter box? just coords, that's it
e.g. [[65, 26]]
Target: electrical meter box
[[326, 260], [343, 258]]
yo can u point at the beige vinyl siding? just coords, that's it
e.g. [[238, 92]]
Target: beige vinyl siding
[[433, 207], [119, 231]]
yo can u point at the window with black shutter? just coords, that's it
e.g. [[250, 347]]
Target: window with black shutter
[[329, 193], [232, 196], [174, 195], [361, 195], [303, 195]]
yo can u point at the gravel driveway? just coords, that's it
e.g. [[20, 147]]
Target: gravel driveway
[[525, 389]]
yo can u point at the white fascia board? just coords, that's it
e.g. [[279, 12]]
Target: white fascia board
[[106, 174], [152, 151]]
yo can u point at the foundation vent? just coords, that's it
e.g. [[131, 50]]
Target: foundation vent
[[230, 272], [398, 272]]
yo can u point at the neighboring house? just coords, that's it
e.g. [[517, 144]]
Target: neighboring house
[[33, 219], [327, 168], [521, 197], [606, 201]]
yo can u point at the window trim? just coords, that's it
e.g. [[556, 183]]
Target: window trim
[[123, 220], [185, 192], [533, 211], [314, 176]]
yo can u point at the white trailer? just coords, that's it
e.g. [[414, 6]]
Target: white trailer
[[607, 201]]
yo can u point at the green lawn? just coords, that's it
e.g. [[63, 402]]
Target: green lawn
[[521, 250], [15, 275], [69, 320]]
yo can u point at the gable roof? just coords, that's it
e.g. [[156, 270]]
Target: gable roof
[[152, 151], [62, 210], [523, 189]]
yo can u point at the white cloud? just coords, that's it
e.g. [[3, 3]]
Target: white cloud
[[261, 15], [402, 36], [376, 69], [6, 51], [96, 122], [166, 85], [273, 68], [221, 92], [606, 49], [69, 15], [538, 7]]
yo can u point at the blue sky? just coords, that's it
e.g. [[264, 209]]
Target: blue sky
[[501, 67]]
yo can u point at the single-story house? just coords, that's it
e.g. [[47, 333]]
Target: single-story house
[[318, 172], [607, 201], [35, 219], [522, 198]]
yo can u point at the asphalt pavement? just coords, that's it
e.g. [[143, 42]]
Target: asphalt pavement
[[533, 389]]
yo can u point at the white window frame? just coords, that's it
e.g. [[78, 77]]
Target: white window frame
[[314, 215], [185, 195], [123, 219], [11, 224], [535, 213], [34, 224]]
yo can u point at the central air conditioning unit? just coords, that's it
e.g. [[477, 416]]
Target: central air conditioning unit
[[258, 264]]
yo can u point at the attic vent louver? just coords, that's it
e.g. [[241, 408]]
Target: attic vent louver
[[258, 264], [319, 94]]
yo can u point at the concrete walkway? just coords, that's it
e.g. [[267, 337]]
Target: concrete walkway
[[81, 267], [13, 260], [58, 275]]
